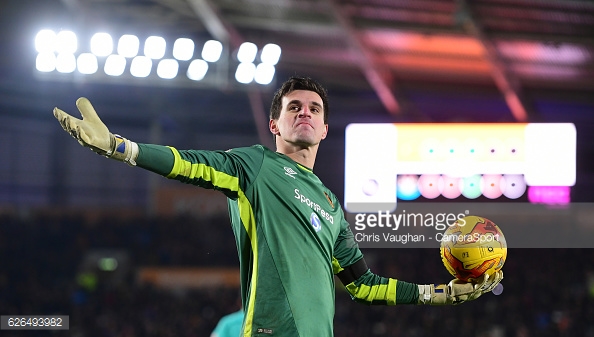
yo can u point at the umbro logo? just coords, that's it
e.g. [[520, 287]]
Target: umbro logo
[[290, 172]]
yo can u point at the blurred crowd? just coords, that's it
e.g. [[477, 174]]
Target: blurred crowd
[[547, 292]]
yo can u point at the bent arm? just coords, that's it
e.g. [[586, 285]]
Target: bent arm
[[366, 287], [369, 288]]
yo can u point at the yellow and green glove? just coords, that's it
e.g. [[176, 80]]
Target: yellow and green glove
[[92, 133], [458, 291]]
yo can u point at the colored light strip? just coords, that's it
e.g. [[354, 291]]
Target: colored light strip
[[453, 160], [559, 195]]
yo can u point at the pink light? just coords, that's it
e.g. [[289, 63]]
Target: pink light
[[451, 187], [429, 185], [492, 185], [549, 195]]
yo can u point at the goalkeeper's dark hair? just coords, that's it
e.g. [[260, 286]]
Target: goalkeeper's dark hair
[[298, 83]]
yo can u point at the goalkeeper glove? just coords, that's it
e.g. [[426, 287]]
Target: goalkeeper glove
[[92, 133], [458, 291]]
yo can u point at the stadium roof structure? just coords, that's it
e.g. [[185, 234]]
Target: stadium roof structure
[[383, 61]]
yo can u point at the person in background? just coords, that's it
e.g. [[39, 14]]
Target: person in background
[[229, 325]]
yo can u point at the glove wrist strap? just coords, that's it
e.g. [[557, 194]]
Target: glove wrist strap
[[123, 149], [434, 294], [425, 293]]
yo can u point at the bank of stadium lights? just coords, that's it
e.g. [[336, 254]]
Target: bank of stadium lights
[[60, 52], [56, 52], [263, 73]]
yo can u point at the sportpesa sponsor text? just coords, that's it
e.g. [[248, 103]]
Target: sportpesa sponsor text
[[314, 206]]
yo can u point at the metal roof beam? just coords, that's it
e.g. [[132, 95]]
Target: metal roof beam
[[505, 81], [227, 34], [214, 22], [375, 75], [260, 119]]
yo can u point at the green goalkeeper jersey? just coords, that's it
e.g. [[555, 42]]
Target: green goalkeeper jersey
[[291, 237]]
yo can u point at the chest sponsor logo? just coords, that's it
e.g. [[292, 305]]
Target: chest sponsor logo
[[315, 222], [314, 206], [290, 172]]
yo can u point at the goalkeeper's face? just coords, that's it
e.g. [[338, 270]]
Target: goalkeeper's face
[[301, 120]]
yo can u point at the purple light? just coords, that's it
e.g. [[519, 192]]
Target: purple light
[[559, 195]]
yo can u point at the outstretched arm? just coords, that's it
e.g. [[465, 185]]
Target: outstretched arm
[[208, 169], [92, 133]]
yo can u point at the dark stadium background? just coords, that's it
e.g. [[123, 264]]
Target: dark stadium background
[[60, 204]]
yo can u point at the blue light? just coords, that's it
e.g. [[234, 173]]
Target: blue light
[[407, 188]]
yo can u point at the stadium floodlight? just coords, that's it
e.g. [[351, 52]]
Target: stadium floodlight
[[167, 68], [45, 62], [264, 73], [45, 41], [101, 44], [245, 72], [86, 63], [65, 63], [270, 54], [141, 66], [183, 49], [197, 70], [154, 47], [58, 51], [128, 45], [115, 65], [211, 52], [66, 42], [247, 52]]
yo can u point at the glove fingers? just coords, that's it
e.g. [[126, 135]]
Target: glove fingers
[[63, 117], [89, 131], [493, 281], [477, 287], [461, 291], [499, 276], [482, 281], [68, 123], [87, 111], [459, 288], [72, 125]]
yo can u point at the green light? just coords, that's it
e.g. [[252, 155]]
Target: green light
[[87, 281], [108, 264], [472, 187]]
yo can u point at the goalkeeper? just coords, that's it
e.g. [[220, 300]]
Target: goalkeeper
[[290, 230]]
